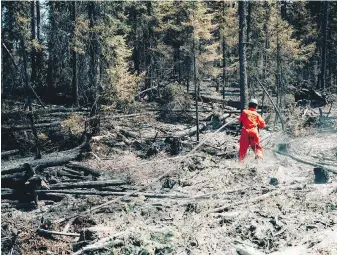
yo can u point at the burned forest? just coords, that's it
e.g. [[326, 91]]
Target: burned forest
[[125, 126]]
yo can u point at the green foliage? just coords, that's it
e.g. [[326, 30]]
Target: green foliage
[[139, 42]]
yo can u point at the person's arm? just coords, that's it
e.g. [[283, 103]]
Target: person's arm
[[241, 125], [241, 119]]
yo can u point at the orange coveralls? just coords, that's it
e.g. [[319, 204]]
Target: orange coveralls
[[250, 120]]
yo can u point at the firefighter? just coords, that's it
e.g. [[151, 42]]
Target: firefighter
[[250, 121]]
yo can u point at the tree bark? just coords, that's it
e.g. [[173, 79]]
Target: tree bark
[[242, 54]]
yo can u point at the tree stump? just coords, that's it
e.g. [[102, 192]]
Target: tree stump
[[321, 175], [283, 147], [273, 181], [176, 146]]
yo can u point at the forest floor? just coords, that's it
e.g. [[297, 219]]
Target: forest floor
[[206, 203]]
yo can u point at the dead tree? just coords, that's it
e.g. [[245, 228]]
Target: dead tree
[[94, 73], [74, 60], [324, 44], [242, 54]]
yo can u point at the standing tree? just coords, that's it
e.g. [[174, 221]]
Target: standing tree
[[324, 44], [242, 54], [74, 82]]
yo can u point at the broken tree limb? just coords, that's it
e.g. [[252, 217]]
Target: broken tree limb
[[53, 159], [306, 162], [49, 232], [140, 93], [84, 169], [109, 193], [271, 100], [87, 184]]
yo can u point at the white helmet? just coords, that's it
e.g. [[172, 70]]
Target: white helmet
[[253, 101]]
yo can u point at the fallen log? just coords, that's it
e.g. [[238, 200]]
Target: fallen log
[[66, 114], [14, 180], [7, 193], [190, 131], [87, 184], [53, 159], [109, 193], [27, 127], [70, 171], [85, 169], [9, 153], [71, 176], [129, 133], [49, 232], [12, 194]]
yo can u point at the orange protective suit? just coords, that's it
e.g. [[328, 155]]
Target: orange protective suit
[[250, 121]]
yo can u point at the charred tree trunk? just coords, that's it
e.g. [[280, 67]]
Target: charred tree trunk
[[196, 85], [278, 60], [265, 56], [39, 52], [51, 59], [149, 64], [223, 57], [33, 51], [249, 54], [242, 54], [135, 54], [74, 60], [33, 81], [324, 44], [284, 10], [94, 75]]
